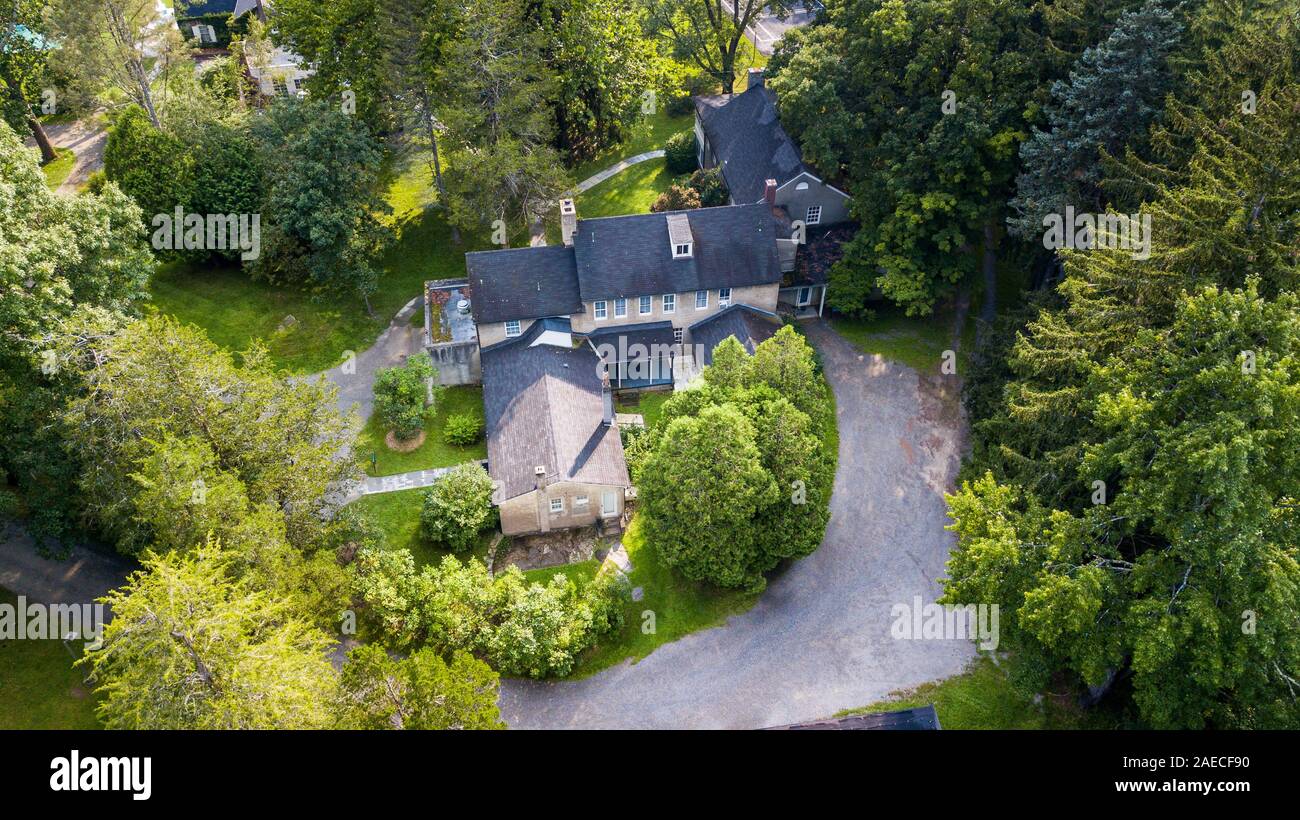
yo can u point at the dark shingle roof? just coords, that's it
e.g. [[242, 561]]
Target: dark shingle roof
[[749, 325], [543, 406], [734, 246], [190, 9], [749, 142], [823, 249], [920, 718], [623, 337], [522, 283]]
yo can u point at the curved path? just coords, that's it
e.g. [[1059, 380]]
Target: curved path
[[818, 640], [597, 178]]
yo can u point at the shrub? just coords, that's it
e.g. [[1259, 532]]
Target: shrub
[[150, 166], [457, 507], [463, 429], [679, 153], [400, 395], [707, 182], [676, 198]]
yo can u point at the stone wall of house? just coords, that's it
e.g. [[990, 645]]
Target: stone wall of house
[[493, 332], [684, 314], [530, 512]]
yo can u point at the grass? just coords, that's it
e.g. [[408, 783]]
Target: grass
[[57, 169], [918, 342], [39, 688], [648, 405], [435, 451], [648, 135], [680, 607], [982, 697], [580, 573], [398, 515], [631, 191]]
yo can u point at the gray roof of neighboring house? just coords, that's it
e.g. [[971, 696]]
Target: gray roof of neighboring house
[[190, 9], [749, 325], [748, 141], [543, 406], [628, 256], [522, 283]]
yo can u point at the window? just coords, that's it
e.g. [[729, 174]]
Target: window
[[682, 250], [802, 186], [278, 86], [814, 215], [669, 302], [724, 296], [557, 505], [647, 305], [701, 299], [677, 335], [620, 308], [600, 309], [580, 501], [805, 296], [512, 327]]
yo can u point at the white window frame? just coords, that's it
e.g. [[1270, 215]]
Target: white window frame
[[724, 297], [682, 250], [698, 294], [580, 501], [645, 305], [814, 215], [620, 307], [678, 334], [513, 328], [557, 506], [668, 303], [800, 300], [599, 310]]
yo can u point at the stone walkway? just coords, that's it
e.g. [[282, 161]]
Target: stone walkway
[[595, 179], [373, 485]]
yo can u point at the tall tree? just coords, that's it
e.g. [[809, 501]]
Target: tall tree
[[709, 33], [191, 648], [22, 65], [421, 691]]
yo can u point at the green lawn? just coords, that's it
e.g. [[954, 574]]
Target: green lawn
[[435, 451], [648, 135], [39, 689], [57, 170], [983, 698], [631, 191], [680, 607], [917, 342], [398, 515], [580, 573], [648, 405]]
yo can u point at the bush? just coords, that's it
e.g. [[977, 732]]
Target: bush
[[400, 394], [152, 167], [707, 182], [457, 507], [679, 153], [463, 429], [676, 198]]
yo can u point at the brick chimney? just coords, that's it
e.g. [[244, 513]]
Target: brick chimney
[[607, 402], [754, 78], [568, 221], [769, 192]]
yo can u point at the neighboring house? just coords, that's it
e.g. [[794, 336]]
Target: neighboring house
[[741, 134], [208, 22], [279, 73]]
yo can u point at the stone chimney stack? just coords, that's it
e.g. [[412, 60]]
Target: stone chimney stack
[[769, 192], [754, 78], [607, 399], [568, 221]]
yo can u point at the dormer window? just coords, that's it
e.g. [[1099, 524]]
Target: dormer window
[[679, 236]]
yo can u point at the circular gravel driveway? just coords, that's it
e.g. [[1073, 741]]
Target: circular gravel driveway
[[818, 640]]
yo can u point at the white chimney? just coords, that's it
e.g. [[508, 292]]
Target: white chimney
[[568, 221], [607, 400], [754, 78]]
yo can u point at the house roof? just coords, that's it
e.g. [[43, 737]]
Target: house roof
[[623, 337], [923, 717], [749, 325], [628, 256], [748, 141], [523, 283], [823, 249], [543, 407], [190, 9]]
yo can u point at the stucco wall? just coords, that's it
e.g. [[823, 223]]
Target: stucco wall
[[490, 334], [457, 362], [525, 513], [834, 206], [685, 315]]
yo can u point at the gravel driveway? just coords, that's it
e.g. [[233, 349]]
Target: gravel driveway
[[818, 640]]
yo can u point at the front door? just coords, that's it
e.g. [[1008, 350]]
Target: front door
[[805, 297], [608, 504]]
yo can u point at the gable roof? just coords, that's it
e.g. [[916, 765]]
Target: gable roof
[[823, 249], [628, 256], [543, 407], [749, 325], [522, 283], [748, 141]]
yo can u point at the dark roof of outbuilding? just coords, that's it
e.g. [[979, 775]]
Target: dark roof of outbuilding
[[749, 325], [627, 256], [823, 249], [923, 717], [543, 407], [749, 142], [522, 283]]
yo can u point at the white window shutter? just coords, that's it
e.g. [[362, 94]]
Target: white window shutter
[[212, 34], [198, 35]]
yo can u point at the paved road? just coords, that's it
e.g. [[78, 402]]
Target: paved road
[[86, 138], [85, 575], [819, 638], [355, 378]]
